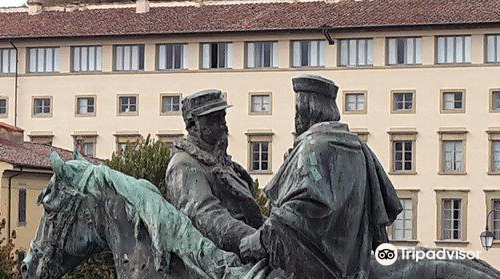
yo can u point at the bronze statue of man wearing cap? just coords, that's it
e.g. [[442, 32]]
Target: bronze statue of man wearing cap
[[331, 197], [202, 180]]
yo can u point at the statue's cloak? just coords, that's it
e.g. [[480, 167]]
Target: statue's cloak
[[332, 201]]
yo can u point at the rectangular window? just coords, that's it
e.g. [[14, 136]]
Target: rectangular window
[[403, 102], [87, 59], [44, 60], [496, 218], [452, 101], [85, 105], [451, 224], [129, 58], [172, 56], [354, 102], [170, 104], [217, 55], [3, 107], [453, 49], [42, 106], [495, 101], [495, 156], [262, 54], [404, 51], [259, 156], [453, 156], [308, 53], [21, 215], [127, 105], [7, 61], [86, 145], [402, 228], [356, 52], [493, 48], [124, 143], [260, 103], [403, 155]]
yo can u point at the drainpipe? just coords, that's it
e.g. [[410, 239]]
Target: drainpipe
[[15, 88], [9, 203], [326, 32]]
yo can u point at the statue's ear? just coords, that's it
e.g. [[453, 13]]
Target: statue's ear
[[57, 163], [78, 156]]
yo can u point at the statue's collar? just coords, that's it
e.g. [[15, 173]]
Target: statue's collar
[[323, 127], [191, 147]]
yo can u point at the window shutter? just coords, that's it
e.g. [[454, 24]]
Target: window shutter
[[344, 53], [497, 44], [250, 55], [76, 59], [275, 54], [49, 60], [459, 49], [322, 46], [13, 61], [441, 50], [362, 52], [313, 53], [296, 54], [490, 48], [119, 58], [126, 58], [418, 51], [468, 49], [392, 51], [161, 57], [184, 56], [206, 56], [369, 52], [84, 57], [410, 51], [135, 58], [229, 55], [450, 50]]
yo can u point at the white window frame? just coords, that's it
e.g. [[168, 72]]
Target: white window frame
[[453, 156], [315, 53], [129, 104], [255, 95], [449, 234], [43, 60], [163, 97], [259, 160], [355, 52], [77, 105], [357, 103], [7, 61], [404, 222], [492, 49], [412, 51], [255, 54], [454, 49], [43, 106], [87, 58], [129, 58], [224, 52], [169, 54]]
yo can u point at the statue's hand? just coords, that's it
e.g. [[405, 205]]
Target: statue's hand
[[251, 248]]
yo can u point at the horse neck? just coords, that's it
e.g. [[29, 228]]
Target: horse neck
[[131, 251]]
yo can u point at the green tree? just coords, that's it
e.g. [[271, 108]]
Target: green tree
[[262, 200], [148, 160]]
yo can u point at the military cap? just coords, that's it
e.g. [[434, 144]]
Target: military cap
[[203, 103], [308, 83]]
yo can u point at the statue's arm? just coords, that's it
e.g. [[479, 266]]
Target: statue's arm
[[193, 196]]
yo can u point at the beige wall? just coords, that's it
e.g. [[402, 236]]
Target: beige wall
[[427, 80]]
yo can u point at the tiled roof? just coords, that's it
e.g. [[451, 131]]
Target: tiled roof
[[10, 127], [32, 155], [249, 17]]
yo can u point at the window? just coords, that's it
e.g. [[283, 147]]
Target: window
[[362, 133], [126, 142], [170, 104], [3, 106], [86, 144], [403, 155], [494, 158], [495, 101], [402, 228], [451, 224], [85, 106], [452, 156], [129, 58], [452, 101], [172, 56], [356, 52], [7, 61], [87, 59], [41, 139], [262, 54], [260, 103], [354, 102], [42, 106], [127, 105], [22, 207], [454, 49], [170, 137], [495, 203], [217, 55], [404, 51], [260, 156], [403, 102], [44, 60], [308, 53], [493, 48]]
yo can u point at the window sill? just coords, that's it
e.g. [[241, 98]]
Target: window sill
[[404, 65], [494, 110], [451, 242], [402, 172], [42, 74], [354, 112], [402, 111], [306, 67], [7, 75], [217, 70], [172, 70], [410, 242], [452, 173], [41, 116], [4, 116], [355, 67], [265, 113], [451, 111], [127, 114], [85, 115], [175, 113], [87, 73], [128, 72], [494, 173], [21, 224], [260, 172]]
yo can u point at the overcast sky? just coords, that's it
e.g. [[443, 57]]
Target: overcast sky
[[8, 3]]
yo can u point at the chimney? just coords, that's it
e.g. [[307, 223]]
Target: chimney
[[35, 7], [142, 6], [11, 133]]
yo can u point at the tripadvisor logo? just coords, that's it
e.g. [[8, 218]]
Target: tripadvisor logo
[[386, 254]]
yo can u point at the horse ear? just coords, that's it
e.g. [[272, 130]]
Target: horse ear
[[78, 156], [57, 163]]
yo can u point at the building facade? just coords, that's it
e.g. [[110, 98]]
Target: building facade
[[419, 85]]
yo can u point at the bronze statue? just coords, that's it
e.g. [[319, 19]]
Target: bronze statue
[[202, 180]]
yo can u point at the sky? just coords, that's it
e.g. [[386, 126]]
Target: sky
[[11, 3]]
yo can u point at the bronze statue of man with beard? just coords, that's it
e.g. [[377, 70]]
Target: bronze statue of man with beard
[[202, 180]]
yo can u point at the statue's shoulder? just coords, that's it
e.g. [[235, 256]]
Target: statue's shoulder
[[329, 134]]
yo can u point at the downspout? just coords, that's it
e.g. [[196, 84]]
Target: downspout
[[326, 32], [9, 203], [15, 88]]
